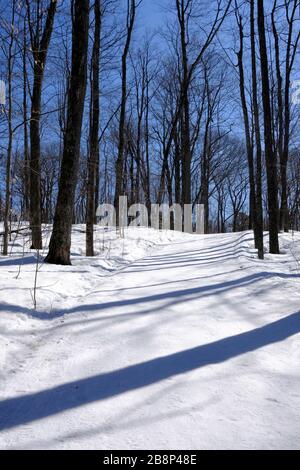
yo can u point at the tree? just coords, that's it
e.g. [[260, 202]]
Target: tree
[[60, 243], [26, 168], [258, 200], [249, 141], [93, 161], [10, 62], [40, 40], [183, 13], [283, 97], [270, 156], [131, 13], [184, 10]]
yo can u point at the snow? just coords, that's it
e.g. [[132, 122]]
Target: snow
[[162, 341]]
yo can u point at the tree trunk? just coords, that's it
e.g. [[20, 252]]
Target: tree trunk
[[93, 163], [26, 146], [35, 170], [177, 172], [39, 51], [270, 155], [147, 177], [7, 209], [204, 193], [259, 208], [186, 140], [60, 243], [249, 144]]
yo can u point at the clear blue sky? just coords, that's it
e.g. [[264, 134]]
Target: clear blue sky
[[152, 13]]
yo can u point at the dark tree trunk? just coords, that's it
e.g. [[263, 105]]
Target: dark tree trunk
[[280, 150], [7, 210], [259, 207], [93, 162], [269, 150], [60, 243], [147, 177], [35, 170], [8, 166], [39, 51], [205, 164], [177, 172], [186, 139], [249, 144], [26, 146]]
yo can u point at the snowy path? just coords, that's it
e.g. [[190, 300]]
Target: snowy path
[[194, 346]]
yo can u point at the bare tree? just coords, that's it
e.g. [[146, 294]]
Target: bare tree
[[60, 243], [185, 13], [283, 96], [40, 39], [258, 201], [131, 14], [26, 169], [93, 161], [270, 155], [249, 141], [10, 63]]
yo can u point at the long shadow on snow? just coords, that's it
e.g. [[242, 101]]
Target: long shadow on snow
[[224, 248], [31, 259], [26, 260], [186, 262], [181, 295], [27, 408]]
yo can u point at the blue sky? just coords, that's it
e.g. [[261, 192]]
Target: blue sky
[[152, 13]]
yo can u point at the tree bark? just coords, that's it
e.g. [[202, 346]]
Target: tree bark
[[7, 209], [249, 143], [39, 51], [26, 145], [60, 243], [259, 207], [93, 162], [186, 139], [270, 155]]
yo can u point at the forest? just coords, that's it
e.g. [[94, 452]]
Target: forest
[[203, 108], [149, 228]]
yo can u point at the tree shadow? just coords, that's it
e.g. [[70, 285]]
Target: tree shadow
[[183, 261], [27, 408], [175, 297], [23, 261]]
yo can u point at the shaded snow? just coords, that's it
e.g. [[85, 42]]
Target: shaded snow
[[164, 340]]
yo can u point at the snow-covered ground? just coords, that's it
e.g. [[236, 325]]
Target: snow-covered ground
[[164, 340]]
